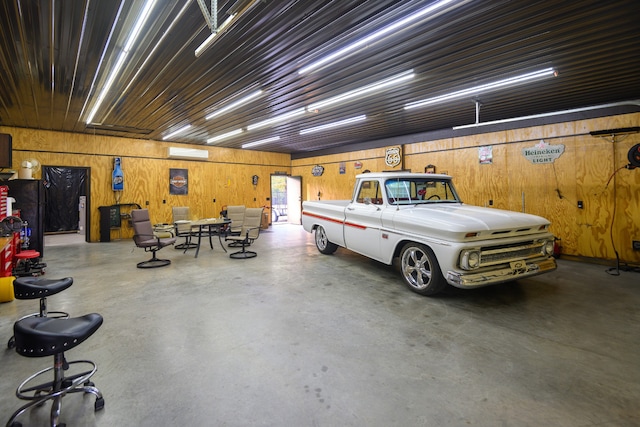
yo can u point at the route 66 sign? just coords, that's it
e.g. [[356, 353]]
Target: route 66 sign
[[392, 156]]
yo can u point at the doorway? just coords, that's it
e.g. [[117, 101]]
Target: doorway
[[67, 201], [286, 199]]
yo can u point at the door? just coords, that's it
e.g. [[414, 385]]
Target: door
[[363, 220], [64, 187], [294, 199]]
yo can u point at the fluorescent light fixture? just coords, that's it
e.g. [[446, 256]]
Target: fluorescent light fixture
[[187, 153], [365, 90], [209, 40], [369, 39], [262, 141], [512, 81], [277, 119], [206, 44], [138, 25], [234, 104], [142, 19], [551, 114], [172, 134], [334, 124], [160, 41], [224, 136]]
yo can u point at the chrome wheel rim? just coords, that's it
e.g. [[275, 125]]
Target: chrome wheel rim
[[321, 238], [416, 268]]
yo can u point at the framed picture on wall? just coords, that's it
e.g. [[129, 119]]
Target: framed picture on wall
[[485, 155], [178, 181]]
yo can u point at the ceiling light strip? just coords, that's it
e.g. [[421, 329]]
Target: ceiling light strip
[[367, 40], [179, 131], [234, 104], [261, 142], [224, 136], [334, 124], [277, 119], [227, 23], [365, 90], [142, 19], [551, 114], [157, 45], [209, 40], [512, 81]]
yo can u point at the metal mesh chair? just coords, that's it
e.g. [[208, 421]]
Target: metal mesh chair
[[182, 223], [248, 234]]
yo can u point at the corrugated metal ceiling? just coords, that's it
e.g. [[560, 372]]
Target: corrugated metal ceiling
[[56, 56]]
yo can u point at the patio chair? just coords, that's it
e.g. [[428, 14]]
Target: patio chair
[[249, 233]]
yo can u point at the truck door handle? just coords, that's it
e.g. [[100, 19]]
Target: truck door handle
[[351, 209]]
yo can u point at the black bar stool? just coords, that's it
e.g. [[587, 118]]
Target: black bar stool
[[39, 288], [48, 336]]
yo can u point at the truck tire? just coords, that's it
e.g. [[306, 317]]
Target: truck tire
[[322, 242], [420, 270]]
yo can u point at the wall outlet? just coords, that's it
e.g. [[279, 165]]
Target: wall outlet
[[636, 245]]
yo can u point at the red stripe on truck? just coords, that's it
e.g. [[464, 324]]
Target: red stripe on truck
[[337, 221]]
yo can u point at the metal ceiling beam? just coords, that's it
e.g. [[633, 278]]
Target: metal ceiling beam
[[211, 17]]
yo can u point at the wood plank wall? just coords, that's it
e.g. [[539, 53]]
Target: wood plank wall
[[608, 222], [586, 171], [225, 177]]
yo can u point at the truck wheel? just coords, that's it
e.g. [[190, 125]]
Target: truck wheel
[[322, 242], [420, 269]]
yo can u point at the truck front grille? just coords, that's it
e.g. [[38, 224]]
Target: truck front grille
[[501, 254]]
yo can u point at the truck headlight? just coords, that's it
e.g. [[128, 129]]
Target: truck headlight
[[470, 259], [547, 247]]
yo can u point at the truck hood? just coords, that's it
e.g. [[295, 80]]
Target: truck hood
[[455, 220]]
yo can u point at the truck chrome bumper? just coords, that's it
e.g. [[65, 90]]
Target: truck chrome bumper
[[493, 277]]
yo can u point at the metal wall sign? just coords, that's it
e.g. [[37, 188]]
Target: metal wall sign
[[178, 181], [543, 152], [317, 170], [393, 156]]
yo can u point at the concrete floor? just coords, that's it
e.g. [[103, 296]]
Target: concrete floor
[[296, 338]]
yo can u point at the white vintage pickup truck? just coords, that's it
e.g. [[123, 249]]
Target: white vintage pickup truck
[[439, 240]]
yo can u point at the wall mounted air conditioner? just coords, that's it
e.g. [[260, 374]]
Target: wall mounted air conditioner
[[187, 153]]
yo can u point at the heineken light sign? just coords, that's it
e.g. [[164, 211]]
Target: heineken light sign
[[543, 152]]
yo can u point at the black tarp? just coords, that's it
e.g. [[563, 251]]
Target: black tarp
[[64, 186]]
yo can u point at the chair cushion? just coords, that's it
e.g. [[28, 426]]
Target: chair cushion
[[46, 336], [36, 287], [28, 254]]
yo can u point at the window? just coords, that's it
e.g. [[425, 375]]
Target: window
[[405, 191], [369, 192]]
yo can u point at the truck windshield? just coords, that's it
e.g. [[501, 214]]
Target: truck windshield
[[411, 191]]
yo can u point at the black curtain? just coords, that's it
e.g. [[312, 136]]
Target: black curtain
[[63, 188]]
